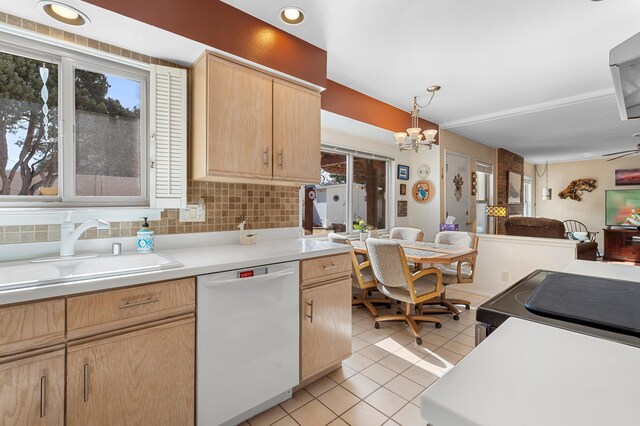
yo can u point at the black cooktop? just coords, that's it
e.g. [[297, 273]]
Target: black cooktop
[[511, 303]]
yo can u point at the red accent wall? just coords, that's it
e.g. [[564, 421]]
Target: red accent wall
[[347, 102], [231, 30], [224, 27]]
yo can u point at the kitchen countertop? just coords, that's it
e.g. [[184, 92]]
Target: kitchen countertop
[[527, 373], [614, 271], [197, 260]]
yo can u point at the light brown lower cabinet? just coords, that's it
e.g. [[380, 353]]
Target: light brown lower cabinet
[[325, 330], [143, 377], [32, 390]]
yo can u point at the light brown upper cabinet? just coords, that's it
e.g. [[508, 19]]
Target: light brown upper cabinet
[[248, 124], [296, 133]]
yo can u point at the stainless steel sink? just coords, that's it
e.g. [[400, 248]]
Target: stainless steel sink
[[62, 270]]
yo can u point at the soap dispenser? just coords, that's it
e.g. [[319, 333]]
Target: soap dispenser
[[145, 238]]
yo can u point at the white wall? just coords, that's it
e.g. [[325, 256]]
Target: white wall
[[590, 210], [516, 257], [424, 216]]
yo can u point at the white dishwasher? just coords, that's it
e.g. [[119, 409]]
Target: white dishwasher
[[247, 341]]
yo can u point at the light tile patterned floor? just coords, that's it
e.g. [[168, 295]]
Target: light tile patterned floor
[[381, 383]]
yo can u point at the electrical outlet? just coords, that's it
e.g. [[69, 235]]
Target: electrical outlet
[[193, 212], [504, 276]]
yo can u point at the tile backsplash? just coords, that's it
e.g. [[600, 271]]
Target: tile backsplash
[[265, 206]]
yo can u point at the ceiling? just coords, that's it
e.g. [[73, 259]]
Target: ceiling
[[531, 77], [130, 34], [528, 76]]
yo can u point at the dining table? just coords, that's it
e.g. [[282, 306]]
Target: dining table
[[422, 252], [425, 253]]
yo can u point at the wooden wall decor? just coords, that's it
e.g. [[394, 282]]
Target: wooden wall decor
[[474, 184], [457, 183], [577, 187], [423, 191]]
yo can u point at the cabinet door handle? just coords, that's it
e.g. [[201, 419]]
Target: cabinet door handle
[[310, 316], [85, 392], [43, 396], [266, 157], [330, 267], [138, 303], [281, 159]]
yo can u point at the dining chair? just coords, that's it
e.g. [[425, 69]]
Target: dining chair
[[461, 272], [343, 239], [396, 281], [405, 233], [362, 278]]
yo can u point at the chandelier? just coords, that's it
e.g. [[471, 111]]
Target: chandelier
[[415, 134]]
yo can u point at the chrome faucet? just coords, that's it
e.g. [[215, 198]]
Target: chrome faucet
[[69, 234]]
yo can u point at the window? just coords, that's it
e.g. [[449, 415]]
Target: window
[[369, 192], [95, 160], [107, 137], [28, 126], [527, 193], [484, 195], [353, 187]]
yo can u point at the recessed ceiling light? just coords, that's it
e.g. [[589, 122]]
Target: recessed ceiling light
[[64, 13], [291, 15]]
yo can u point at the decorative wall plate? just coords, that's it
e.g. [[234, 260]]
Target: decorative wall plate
[[424, 171], [423, 191]]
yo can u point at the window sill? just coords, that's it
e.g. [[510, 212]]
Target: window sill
[[52, 216]]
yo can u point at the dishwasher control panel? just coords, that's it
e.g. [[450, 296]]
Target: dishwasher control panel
[[248, 273]]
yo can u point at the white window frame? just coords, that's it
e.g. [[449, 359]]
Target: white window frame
[[350, 154], [527, 197], [68, 61]]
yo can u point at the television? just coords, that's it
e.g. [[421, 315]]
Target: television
[[622, 207]]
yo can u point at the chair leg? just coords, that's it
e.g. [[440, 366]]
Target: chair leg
[[368, 303], [411, 320], [466, 303]]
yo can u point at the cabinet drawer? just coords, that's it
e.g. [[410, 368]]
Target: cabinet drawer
[[100, 312], [632, 252], [31, 326], [326, 268]]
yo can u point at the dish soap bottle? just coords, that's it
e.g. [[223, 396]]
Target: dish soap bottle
[[145, 238]]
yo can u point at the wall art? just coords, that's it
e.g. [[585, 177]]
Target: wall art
[[514, 186], [474, 184], [403, 172], [578, 187], [457, 183], [423, 191], [402, 209], [627, 177]]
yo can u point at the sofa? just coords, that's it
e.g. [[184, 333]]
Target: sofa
[[541, 227]]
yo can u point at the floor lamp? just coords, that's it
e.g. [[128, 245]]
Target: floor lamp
[[496, 212]]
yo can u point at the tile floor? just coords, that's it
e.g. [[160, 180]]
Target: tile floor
[[381, 383]]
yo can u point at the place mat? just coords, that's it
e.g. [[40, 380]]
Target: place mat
[[596, 302], [438, 248], [421, 253]]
